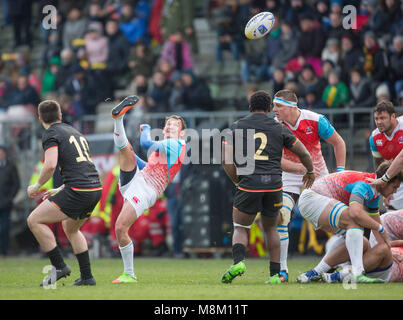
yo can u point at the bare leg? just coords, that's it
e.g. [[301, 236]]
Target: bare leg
[[72, 230], [125, 220], [46, 213], [273, 238], [127, 158]]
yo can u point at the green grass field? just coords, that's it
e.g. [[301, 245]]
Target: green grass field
[[170, 279]]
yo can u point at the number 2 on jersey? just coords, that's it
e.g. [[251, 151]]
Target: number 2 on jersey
[[258, 153], [84, 143]]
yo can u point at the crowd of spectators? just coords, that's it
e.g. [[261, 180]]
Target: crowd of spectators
[[149, 47], [316, 48], [99, 47]]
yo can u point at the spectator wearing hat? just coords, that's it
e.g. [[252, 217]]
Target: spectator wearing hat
[[50, 74], [382, 93], [96, 46], [9, 186], [336, 6], [332, 51], [396, 65], [373, 59]]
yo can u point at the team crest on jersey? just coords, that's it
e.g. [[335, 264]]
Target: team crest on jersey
[[378, 142], [136, 200], [400, 139], [309, 130]]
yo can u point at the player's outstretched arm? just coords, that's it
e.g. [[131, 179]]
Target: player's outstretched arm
[[49, 166], [395, 167], [303, 154], [339, 147]]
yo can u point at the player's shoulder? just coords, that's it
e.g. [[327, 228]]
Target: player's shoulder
[[310, 115]]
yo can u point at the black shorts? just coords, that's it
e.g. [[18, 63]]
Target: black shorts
[[267, 203], [76, 204]]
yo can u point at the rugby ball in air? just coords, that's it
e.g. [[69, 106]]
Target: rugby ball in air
[[259, 25]]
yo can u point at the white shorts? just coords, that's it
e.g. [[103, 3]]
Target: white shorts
[[311, 206], [383, 274], [139, 193]]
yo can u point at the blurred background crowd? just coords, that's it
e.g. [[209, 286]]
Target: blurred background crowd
[[187, 56]]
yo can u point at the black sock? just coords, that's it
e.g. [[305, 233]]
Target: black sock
[[274, 268], [84, 263], [238, 252], [56, 258]]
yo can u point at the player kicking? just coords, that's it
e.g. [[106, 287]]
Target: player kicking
[[344, 203], [73, 202], [260, 190], [141, 189], [379, 260], [309, 127]]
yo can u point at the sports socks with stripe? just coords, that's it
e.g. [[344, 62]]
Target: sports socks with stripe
[[354, 244], [119, 133]]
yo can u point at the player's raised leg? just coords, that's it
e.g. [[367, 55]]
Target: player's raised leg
[[80, 248], [125, 220], [48, 213]]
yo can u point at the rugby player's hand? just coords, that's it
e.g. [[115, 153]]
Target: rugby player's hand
[[397, 257], [33, 191], [52, 192], [376, 182], [308, 179]]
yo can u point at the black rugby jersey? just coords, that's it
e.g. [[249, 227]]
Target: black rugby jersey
[[74, 158], [268, 137]]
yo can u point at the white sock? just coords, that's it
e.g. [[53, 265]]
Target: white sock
[[354, 244], [284, 240], [322, 267], [127, 256], [119, 133]]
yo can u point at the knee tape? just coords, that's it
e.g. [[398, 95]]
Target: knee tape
[[241, 226], [285, 211]]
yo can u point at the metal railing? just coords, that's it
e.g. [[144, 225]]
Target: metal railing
[[23, 136]]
